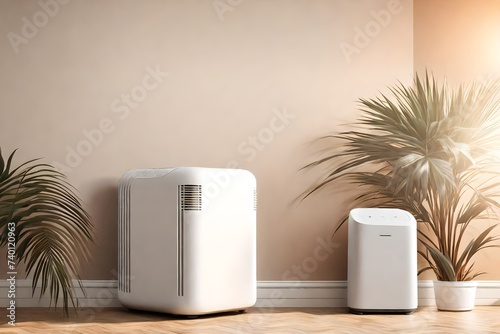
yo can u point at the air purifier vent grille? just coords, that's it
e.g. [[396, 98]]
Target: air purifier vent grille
[[124, 245], [255, 199], [190, 197]]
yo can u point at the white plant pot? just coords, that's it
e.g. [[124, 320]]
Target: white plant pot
[[455, 296]]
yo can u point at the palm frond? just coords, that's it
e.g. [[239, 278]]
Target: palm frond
[[53, 231], [431, 150]]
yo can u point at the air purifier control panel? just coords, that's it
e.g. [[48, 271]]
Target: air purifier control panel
[[380, 216]]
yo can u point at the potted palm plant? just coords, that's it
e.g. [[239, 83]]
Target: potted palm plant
[[432, 150], [43, 224]]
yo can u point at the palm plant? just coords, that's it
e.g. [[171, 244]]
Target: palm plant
[[431, 151], [51, 230]]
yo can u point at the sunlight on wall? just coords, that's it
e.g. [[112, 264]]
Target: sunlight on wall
[[458, 39]]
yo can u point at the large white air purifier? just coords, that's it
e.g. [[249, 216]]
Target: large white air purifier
[[187, 240], [382, 261]]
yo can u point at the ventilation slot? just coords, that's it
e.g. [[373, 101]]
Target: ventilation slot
[[124, 242], [255, 199], [190, 197]]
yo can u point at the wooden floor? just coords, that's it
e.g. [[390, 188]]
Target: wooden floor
[[482, 320]]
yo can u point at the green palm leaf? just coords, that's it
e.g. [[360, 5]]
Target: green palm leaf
[[53, 231]]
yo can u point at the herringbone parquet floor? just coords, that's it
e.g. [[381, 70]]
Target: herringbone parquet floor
[[482, 320]]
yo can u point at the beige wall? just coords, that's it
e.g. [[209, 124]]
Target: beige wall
[[460, 40], [231, 69]]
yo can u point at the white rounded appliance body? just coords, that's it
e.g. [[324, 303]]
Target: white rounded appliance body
[[187, 240], [382, 261]]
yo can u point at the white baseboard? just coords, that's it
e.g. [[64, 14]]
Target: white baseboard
[[99, 293], [334, 293], [103, 293]]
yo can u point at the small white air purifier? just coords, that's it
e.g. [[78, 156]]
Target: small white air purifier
[[187, 240], [382, 261]]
